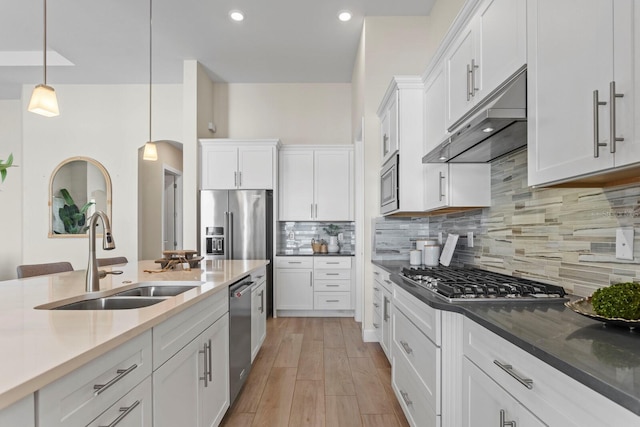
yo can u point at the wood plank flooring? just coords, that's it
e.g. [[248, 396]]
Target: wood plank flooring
[[317, 372]]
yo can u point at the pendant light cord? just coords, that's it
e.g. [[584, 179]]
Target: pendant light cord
[[150, 62], [45, 43]]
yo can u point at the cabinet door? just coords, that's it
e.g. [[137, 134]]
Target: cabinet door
[[485, 403], [258, 319], [561, 106], [133, 410], [501, 37], [296, 186], [255, 168], [435, 101], [385, 308], [219, 167], [214, 396], [460, 93], [435, 185], [20, 414], [294, 289], [333, 185], [627, 80]]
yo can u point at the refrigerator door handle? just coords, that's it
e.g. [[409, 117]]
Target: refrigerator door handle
[[230, 236], [227, 234]]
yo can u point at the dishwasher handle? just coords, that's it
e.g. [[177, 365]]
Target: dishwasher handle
[[240, 291]]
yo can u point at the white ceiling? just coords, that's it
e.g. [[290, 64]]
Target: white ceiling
[[280, 41]]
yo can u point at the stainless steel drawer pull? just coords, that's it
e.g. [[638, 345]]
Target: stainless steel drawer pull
[[405, 397], [204, 376], [332, 274], [503, 422], [332, 286], [376, 273], [527, 382], [333, 300], [406, 347], [261, 308], [235, 179], [388, 281], [210, 362], [125, 411], [441, 193], [376, 305], [596, 125], [385, 309], [294, 262], [612, 116], [375, 325], [333, 262], [375, 288], [99, 388]]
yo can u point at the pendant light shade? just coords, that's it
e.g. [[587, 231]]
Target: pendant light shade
[[43, 99], [150, 152]]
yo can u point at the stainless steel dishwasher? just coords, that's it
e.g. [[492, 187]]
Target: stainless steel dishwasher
[[239, 335]]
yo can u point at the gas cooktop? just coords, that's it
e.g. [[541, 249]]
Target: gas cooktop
[[474, 285]]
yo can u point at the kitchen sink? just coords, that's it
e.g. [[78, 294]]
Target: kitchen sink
[[111, 303], [156, 291]]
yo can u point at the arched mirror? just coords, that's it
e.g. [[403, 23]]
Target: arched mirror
[[78, 187]]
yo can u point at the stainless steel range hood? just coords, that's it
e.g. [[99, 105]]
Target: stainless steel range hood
[[492, 129]]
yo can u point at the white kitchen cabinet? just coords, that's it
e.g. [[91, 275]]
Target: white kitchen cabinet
[[258, 312], [81, 396], [485, 403], [134, 409], [435, 108], [192, 387], [294, 283], [570, 113], [332, 283], [401, 121], [484, 54], [231, 165], [19, 414], [316, 183], [456, 185]]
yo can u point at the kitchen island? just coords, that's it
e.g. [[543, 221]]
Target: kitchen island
[[40, 346]]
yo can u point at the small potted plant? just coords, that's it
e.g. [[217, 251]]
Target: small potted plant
[[4, 166], [332, 231]]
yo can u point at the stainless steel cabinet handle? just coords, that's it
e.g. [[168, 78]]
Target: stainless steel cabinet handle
[[261, 301], [385, 309], [440, 186], [527, 382], [406, 347], [332, 286], [375, 325], [239, 179], [99, 388], [376, 305], [376, 273], [125, 411], [388, 281], [204, 376], [316, 211], [333, 262], [385, 144], [333, 300], [210, 371], [405, 397], [612, 116], [375, 288], [469, 93], [332, 274], [294, 262], [311, 210], [235, 179], [503, 422], [596, 125], [474, 67]]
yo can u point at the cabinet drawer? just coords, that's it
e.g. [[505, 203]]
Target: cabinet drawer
[[411, 394], [73, 400], [332, 274], [552, 396], [421, 353], [332, 285], [134, 408], [427, 319], [294, 262], [332, 262], [332, 300], [173, 334]]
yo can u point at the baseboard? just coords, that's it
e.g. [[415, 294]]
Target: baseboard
[[370, 335]]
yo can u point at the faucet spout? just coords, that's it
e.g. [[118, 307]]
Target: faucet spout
[[93, 277]]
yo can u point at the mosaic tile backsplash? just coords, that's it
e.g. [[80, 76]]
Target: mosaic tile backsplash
[[560, 236]]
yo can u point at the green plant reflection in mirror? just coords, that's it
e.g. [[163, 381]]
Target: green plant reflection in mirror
[[78, 187]]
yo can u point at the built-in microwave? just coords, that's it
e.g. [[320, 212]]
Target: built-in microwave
[[389, 200]]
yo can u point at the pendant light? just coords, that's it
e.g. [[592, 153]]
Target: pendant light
[[150, 149], [43, 99]]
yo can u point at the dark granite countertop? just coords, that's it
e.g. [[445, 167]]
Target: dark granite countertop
[[604, 358]]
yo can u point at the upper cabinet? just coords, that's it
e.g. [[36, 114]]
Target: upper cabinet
[[582, 119], [489, 49], [242, 165], [435, 108], [457, 185], [401, 131], [316, 183]]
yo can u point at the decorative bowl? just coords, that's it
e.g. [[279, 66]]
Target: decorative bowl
[[583, 306]]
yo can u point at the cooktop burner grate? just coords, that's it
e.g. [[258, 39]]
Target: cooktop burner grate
[[464, 284]]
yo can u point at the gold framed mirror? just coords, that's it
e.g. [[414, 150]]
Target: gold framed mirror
[[78, 187]]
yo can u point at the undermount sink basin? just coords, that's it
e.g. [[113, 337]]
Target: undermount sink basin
[[156, 291], [111, 303]]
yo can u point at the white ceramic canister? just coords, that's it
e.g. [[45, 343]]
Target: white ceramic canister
[[431, 254], [415, 257]]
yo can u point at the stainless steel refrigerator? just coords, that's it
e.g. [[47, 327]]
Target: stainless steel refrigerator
[[238, 224]]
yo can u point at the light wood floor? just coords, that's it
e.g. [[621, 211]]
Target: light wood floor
[[317, 372]]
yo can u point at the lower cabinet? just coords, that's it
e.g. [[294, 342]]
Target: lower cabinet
[[133, 410], [295, 289], [258, 317], [192, 388], [485, 403], [20, 414]]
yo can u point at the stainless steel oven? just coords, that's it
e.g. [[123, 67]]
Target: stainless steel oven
[[389, 199]]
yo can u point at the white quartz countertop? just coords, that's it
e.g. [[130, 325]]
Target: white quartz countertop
[[39, 346]]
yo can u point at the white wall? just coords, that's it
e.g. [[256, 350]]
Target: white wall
[[107, 123], [11, 189], [296, 113]]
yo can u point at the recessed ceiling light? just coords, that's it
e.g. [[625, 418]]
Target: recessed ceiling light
[[236, 15], [344, 16]]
